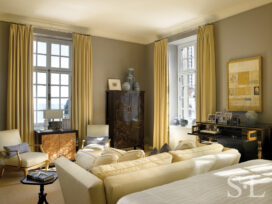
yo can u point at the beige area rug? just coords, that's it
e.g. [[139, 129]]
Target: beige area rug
[[13, 192]]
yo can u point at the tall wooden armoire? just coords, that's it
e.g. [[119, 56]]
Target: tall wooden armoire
[[125, 117]]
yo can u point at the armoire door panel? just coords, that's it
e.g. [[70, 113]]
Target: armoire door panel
[[126, 127], [50, 145], [68, 145]]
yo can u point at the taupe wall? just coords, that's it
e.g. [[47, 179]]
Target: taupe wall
[[4, 33], [245, 35], [111, 59], [148, 78]]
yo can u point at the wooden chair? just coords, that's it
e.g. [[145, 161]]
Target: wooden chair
[[21, 161]]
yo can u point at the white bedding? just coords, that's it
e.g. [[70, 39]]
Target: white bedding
[[213, 187]]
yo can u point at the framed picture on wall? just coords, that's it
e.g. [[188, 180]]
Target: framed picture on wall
[[244, 84], [114, 85]]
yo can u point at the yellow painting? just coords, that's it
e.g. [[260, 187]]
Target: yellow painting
[[244, 85]]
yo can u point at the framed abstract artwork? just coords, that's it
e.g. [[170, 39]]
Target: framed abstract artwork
[[244, 84], [114, 85]]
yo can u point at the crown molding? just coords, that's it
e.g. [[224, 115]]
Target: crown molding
[[145, 37]]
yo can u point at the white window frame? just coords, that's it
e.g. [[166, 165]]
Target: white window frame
[[184, 110], [48, 69]]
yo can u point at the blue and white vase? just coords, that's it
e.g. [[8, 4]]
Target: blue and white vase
[[130, 78], [137, 86], [126, 86]]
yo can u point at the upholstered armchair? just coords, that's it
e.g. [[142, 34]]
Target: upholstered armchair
[[20, 161]]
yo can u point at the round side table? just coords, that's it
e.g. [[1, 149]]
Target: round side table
[[42, 195]]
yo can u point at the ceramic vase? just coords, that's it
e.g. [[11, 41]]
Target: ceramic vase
[[126, 86], [251, 117], [130, 78], [137, 86]]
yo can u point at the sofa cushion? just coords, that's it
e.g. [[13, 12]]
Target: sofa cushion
[[131, 166], [185, 144], [28, 159], [9, 137], [181, 155], [87, 159], [24, 147], [125, 155], [123, 184]]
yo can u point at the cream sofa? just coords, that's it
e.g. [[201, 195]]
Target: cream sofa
[[81, 186]]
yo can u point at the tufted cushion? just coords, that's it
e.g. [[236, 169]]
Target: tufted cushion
[[28, 159], [8, 138], [181, 155], [131, 166]]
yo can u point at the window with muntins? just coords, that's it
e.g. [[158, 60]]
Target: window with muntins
[[52, 78], [187, 81]]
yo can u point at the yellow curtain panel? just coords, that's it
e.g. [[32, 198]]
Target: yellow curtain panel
[[20, 73], [206, 84], [82, 84], [161, 127]]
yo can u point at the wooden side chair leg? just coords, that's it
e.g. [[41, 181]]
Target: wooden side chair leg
[[25, 172], [47, 165], [2, 172]]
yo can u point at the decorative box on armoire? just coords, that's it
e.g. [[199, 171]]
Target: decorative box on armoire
[[57, 143], [125, 117]]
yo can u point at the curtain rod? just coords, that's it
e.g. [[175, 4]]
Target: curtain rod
[[184, 32], [53, 36], [61, 31]]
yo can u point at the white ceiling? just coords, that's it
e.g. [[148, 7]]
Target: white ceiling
[[141, 21]]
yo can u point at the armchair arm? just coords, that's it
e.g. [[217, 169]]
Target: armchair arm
[[42, 150], [17, 154], [82, 143]]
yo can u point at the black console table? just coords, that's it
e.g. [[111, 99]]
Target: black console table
[[239, 137]]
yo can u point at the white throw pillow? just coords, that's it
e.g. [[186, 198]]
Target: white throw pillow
[[125, 155], [181, 155], [88, 160], [185, 144], [131, 155]]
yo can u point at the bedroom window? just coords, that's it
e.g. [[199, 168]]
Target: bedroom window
[[187, 81], [182, 81], [52, 61]]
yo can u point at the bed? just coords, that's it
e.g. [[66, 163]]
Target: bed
[[244, 183]]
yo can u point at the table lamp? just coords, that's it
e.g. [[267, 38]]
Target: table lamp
[[52, 115]]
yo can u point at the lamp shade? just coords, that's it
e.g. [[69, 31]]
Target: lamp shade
[[52, 114]]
